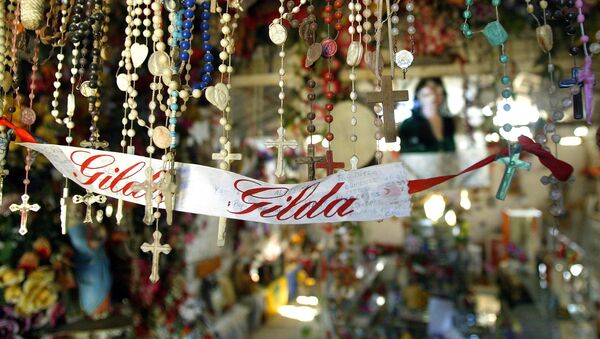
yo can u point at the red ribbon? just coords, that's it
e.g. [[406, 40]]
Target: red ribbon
[[560, 169], [22, 134]]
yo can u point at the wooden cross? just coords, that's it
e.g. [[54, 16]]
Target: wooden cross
[[329, 164], [88, 199], [156, 248], [96, 144], [148, 186], [512, 162], [577, 98], [24, 208], [226, 157], [310, 160], [168, 189], [280, 144], [388, 97]]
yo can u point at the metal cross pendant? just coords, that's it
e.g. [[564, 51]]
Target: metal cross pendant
[[24, 208], [226, 157], [512, 162], [168, 189], [388, 97], [280, 144], [96, 144], [310, 160], [329, 164], [148, 186], [88, 199], [577, 97], [156, 248]]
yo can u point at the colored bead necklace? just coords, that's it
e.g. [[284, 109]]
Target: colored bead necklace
[[67, 121], [3, 57], [353, 59], [219, 96], [587, 75], [278, 35], [384, 92], [91, 88], [332, 17], [308, 33], [207, 68], [373, 58], [496, 36], [404, 58], [28, 117]]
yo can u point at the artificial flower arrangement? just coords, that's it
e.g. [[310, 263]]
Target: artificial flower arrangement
[[30, 289]]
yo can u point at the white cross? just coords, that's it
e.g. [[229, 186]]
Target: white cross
[[24, 207], [88, 199], [148, 186], [64, 209], [168, 189], [280, 144], [226, 157], [156, 248]]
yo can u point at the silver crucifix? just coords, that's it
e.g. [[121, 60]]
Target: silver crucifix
[[148, 186], [168, 190], [156, 248], [88, 199], [280, 144], [24, 208]]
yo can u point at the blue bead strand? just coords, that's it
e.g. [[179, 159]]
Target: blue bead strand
[[208, 58], [187, 24]]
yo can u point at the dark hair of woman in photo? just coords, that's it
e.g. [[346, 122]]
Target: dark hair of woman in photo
[[428, 129]]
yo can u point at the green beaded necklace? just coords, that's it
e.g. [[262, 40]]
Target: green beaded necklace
[[497, 36]]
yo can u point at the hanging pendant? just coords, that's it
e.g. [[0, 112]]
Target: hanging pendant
[[404, 59], [277, 33], [355, 53]]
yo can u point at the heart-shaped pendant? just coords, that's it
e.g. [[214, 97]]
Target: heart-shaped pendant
[[218, 95], [277, 33], [139, 52], [313, 54], [545, 38], [158, 62], [375, 62], [122, 82], [355, 53]]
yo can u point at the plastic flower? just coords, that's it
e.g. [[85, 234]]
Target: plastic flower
[[9, 328], [29, 261], [12, 294], [10, 276], [39, 292], [42, 247]]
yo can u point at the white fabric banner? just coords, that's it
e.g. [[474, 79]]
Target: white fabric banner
[[372, 193]]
